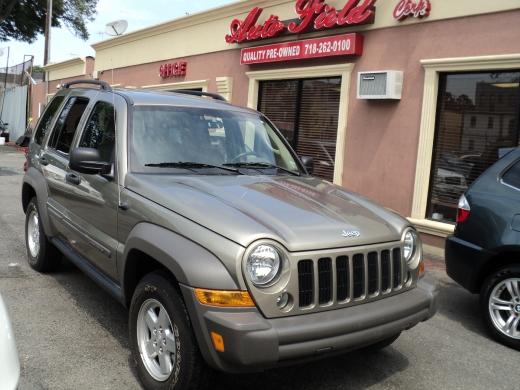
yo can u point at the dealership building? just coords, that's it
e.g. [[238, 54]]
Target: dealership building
[[403, 101]]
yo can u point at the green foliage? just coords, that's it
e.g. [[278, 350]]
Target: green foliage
[[23, 20]]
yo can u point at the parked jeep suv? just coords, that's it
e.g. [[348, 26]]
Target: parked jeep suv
[[483, 254], [200, 218]]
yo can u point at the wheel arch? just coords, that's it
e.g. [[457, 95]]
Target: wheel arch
[[507, 257], [150, 247]]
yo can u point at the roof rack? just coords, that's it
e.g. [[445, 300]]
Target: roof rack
[[200, 93], [103, 84]]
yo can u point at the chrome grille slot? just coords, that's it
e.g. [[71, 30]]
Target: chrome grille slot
[[325, 280], [397, 272], [385, 270], [359, 275], [306, 282], [343, 278], [373, 273]]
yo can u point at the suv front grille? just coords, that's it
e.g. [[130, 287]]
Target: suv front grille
[[349, 278]]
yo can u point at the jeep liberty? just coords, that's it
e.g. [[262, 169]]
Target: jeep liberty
[[200, 218]]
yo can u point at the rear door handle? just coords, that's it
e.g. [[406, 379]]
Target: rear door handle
[[44, 161], [72, 178]]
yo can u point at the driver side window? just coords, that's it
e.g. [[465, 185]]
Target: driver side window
[[99, 131]]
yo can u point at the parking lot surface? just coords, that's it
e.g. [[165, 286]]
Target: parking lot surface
[[72, 335]]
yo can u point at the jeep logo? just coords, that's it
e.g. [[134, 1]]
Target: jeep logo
[[351, 233]]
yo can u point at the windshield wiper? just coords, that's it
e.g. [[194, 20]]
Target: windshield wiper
[[191, 165], [261, 165]]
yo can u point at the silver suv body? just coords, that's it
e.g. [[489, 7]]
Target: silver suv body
[[200, 218]]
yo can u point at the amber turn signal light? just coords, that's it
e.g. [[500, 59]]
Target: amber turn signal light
[[224, 298], [218, 341], [422, 268]]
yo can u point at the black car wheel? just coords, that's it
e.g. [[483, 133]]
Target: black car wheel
[[161, 338], [500, 303]]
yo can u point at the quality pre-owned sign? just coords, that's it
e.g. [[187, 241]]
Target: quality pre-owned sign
[[339, 45], [313, 15]]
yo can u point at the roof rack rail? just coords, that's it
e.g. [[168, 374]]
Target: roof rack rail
[[215, 96], [103, 84]]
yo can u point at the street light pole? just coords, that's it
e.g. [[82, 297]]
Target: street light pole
[[48, 25]]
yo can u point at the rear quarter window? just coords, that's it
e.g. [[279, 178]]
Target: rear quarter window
[[512, 175], [45, 123]]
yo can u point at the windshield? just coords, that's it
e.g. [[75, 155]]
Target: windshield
[[205, 141]]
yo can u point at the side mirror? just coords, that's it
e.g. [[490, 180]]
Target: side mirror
[[308, 163], [88, 161]]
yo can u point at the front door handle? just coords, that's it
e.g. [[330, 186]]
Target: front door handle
[[44, 161], [72, 178]]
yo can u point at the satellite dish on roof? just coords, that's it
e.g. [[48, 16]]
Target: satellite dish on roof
[[116, 28]]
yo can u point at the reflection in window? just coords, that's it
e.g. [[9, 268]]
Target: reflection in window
[[477, 115]]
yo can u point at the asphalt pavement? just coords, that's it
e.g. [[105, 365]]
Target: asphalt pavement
[[72, 335]]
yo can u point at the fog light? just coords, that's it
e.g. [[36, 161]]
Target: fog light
[[282, 300]]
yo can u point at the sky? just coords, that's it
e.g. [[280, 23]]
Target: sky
[[139, 14]]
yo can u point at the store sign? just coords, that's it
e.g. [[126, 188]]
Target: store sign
[[175, 69], [339, 45], [408, 8], [312, 15]]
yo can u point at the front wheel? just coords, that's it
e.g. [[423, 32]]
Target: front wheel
[[41, 254], [500, 305], [161, 338]]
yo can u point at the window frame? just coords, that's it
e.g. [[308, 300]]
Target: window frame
[[433, 68], [505, 172], [343, 70], [89, 111], [52, 123]]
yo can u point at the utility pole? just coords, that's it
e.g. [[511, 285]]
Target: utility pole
[[48, 25]]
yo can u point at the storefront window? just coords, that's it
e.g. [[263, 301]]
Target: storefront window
[[477, 118], [306, 112]]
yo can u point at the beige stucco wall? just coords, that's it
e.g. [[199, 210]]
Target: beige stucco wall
[[70, 68], [204, 32]]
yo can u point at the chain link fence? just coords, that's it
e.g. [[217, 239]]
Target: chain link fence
[[15, 84]]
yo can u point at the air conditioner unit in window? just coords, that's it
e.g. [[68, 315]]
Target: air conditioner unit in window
[[382, 84]]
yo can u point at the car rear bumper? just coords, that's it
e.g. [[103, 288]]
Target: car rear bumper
[[253, 342], [464, 262]]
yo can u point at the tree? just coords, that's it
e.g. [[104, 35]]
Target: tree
[[23, 20]]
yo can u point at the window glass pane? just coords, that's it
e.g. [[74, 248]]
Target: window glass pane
[[196, 135], [306, 112], [45, 123], [67, 124], [100, 131], [477, 115], [278, 100], [512, 176], [318, 124]]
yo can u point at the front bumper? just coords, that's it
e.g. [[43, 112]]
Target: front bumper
[[254, 343]]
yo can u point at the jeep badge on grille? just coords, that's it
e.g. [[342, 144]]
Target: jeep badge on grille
[[350, 233]]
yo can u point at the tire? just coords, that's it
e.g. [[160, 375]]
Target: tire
[[42, 256], [502, 318], [382, 344], [180, 356]]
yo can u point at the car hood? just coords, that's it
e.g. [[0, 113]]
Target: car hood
[[302, 213]]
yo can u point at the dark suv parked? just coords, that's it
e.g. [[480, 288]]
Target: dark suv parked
[[484, 253]]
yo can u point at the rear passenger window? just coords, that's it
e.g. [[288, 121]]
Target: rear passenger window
[[67, 124], [512, 176], [100, 131], [46, 120]]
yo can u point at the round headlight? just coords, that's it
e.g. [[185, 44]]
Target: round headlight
[[410, 245], [263, 265]]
